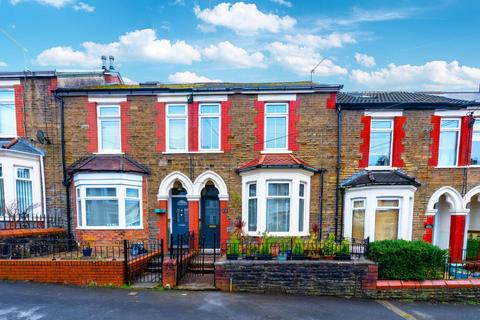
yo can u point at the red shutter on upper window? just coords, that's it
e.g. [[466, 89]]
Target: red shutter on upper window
[[260, 122], [124, 122], [52, 86], [226, 120], [332, 101], [465, 146], [435, 140], [91, 120], [365, 145], [293, 118], [160, 132], [19, 109], [193, 126], [398, 135]]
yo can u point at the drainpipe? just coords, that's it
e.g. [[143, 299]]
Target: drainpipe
[[320, 209], [342, 198], [337, 188], [66, 180]]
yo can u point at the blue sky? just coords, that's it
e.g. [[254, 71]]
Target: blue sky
[[365, 45]]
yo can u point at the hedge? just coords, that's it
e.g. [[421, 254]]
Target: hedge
[[408, 260]]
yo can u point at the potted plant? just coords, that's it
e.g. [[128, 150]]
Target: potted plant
[[233, 248], [274, 247], [298, 250], [343, 251], [284, 253], [329, 247], [313, 246], [87, 250], [252, 251], [265, 251]]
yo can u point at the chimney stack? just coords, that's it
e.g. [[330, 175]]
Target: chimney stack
[[112, 59], [104, 63]]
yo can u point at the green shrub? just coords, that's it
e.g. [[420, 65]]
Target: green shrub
[[344, 247], [473, 249], [297, 249], [329, 247], [265, 245], [234, 245], [408, 260]]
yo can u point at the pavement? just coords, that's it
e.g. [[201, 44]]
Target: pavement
[[34, 301]]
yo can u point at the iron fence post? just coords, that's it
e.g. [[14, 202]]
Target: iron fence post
[[125, 262]]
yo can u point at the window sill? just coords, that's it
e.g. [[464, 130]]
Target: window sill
[[193, 152], [110, 228], [453, 167], [275, 151], [277, 234], [109, 152], [380, 168]]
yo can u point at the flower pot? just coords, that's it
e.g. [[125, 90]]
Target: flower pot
[[298, 257], [282, 256], [232, 256], [329, 257], [342, 257], [265, 257], [87, 252], [314, 257], [250, 257]]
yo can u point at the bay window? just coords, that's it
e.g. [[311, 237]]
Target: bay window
[[381, 133], [177, 128], [448, 144], [24, 191], [278, 207], [475, 157], [209, 126], [386, 219], [109, 128], [8, 122], [276, 126]]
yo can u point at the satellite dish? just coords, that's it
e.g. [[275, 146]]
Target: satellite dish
[[42, 137]]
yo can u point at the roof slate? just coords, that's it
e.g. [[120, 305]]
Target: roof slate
[[274, 161], [109, 163], [379, 177], [20, 145]]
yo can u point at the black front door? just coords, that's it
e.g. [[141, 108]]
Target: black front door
[[210, 215]]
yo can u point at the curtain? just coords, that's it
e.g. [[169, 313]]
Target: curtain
[[24, 192]]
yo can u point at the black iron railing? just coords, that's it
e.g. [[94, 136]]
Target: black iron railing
[[30, 221], [143, 261], [182, 247]]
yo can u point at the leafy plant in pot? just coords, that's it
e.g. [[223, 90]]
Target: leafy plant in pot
[[329, 247], [87, 250], [343, 251], [313, 246], [284, 252], [252, 251], [265, 251], [297, 249], [233, 248]]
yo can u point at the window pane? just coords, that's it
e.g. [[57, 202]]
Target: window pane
[[24, 197], [133, 193], [110, 135], [301, 191], [7, 96], [276, 133], [386, 224], [23, 173], [380, 143], [276, 108], [132, 213], [177, 138], [449, 124], [388, 203], [301, 214], [278, 215], [7, 119], [209, 108], [447, 153], [358, 223], [101, 192], [2, 195], [381, 124], [475, 157], [178, 109], [109, 111], [252, 214], [359, 203], [102, 213], [209, 135], [252, 190], [79, 213], [278, 189]]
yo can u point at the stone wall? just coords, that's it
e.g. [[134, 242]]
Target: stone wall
[[321, 277]]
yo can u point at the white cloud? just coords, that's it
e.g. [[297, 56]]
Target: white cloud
[[365, 60], [82, 6], [301, 59], [3, 64], [333, 40], [189, 77], [433, 75], [53, 3], [243, 18], [127, 80], [283, 3], [235, 56], [138, 45]]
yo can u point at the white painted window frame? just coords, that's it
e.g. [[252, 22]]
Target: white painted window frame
[[9, 102], [386, 208], [459, 132], [300, 197], [353, 208], [275, 115], [391, 130], [477, 122], [210, 115], [100, 119], [167, 127], [249, 197], [289, 197]]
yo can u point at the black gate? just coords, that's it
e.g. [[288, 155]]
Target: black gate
[[201, 267], [143, 261]]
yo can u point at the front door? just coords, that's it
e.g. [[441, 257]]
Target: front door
[[210, 206], [179, 216]]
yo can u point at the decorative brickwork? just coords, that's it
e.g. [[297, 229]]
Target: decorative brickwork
[[435, 140], [365, 145], [91, 120], [260, 125], [125, 130], [193, 126], [226, 120], [293, 118], [160, 129], [398, 136], [19, 109]]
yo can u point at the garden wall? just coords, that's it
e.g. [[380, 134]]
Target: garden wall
[[311, 277], [6, 235]]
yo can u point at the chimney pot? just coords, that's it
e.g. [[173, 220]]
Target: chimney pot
[[112, 59], [104, 62]]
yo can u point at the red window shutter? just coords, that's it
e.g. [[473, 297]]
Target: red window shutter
[[193, 126], [398, 136], [332, 101], [365, 145], [91, 120], [435, 140], [464, 151], [226, 120], [19, 109], [293, 118], [52, 86], [160, 132], [124, 122], [260, 121]]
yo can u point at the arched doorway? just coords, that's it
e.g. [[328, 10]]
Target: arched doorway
[[179, 211], [441, 236], [210, 216]]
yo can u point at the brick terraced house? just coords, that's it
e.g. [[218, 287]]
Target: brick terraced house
[[410, 167]]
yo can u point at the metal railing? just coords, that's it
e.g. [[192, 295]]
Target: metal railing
[[182, 246], [30, 221], [143, 261]]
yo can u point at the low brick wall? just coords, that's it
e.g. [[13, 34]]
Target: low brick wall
[[61, 271], [5, 235], [322, 277]]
